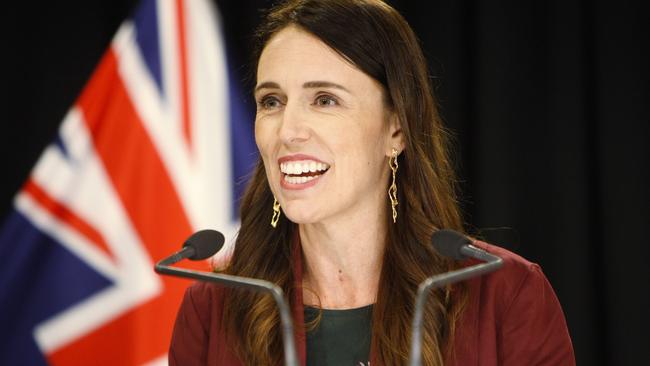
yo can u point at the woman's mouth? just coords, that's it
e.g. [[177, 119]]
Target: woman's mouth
[[297, 174]]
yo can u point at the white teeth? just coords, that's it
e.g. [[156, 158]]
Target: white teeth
[[298, 180], [299, 167]]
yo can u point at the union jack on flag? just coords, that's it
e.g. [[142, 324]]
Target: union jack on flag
[[143, 158]]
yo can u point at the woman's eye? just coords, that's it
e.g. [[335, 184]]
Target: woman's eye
[[325, 101], [269, 103]]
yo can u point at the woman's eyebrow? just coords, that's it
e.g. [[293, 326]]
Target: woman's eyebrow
[[307, 85], [267, 85], [324, 84]]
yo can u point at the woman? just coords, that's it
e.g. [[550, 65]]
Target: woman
[[353, 180]]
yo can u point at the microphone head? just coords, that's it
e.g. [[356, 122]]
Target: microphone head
[[205, 243], [449, 242]]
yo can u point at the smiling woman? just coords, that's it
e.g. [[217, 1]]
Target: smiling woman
[[353, 180], [328, 112]]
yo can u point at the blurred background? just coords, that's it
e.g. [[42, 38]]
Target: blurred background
[[548, 103]]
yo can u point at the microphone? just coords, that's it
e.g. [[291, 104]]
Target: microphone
[[200, 245], [206, 243], [457, 246]]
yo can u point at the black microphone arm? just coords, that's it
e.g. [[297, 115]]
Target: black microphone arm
[[164, 267], [457, 246]]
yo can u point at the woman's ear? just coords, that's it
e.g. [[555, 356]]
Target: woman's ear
[[395, 135]]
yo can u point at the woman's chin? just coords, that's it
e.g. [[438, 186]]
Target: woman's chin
[[302, 218]]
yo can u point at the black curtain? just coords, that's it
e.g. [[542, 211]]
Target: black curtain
[[547, 100]]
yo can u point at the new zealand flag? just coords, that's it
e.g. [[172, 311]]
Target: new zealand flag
[[146, 156]]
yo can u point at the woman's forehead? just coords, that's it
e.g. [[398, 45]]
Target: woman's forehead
[[294, 55]]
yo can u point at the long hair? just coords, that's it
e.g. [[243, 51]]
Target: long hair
[[378, 41]]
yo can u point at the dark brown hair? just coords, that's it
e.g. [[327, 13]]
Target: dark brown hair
[[377, 40]]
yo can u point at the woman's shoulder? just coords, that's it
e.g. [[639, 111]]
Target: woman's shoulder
[[201, 305], [512, 261], [516, 275], [204, 289], [515, 310], [518, 281], [203, 295]]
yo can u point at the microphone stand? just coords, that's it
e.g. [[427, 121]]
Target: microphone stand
[[492, 264], [290, 355]]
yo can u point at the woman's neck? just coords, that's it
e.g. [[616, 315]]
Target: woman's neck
[[342, 261]]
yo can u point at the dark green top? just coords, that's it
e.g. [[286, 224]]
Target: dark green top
[[341, 338]]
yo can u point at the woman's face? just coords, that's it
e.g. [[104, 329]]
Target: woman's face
[[323, 130]]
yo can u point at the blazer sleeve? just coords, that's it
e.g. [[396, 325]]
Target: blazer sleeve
[[533, 329], [190, 337]]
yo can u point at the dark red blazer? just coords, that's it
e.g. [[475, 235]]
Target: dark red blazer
[[513, 318]]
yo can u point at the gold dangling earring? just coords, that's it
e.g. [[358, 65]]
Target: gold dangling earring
[[276, 213], [392, 190]]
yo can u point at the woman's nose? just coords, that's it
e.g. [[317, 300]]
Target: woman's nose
[[294, 127]]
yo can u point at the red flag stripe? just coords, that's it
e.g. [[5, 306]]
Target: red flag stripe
[[184, 79], [64, 214]]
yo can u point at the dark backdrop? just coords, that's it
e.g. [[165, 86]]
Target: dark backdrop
[[548, 101]]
